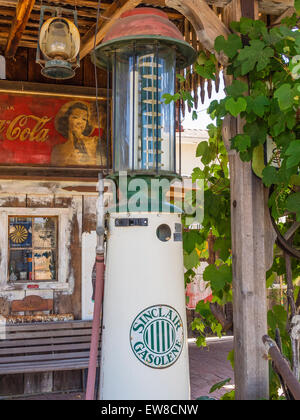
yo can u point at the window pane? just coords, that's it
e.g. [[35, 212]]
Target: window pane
[[44, 232], [20, 232], [44, 265], [20, 265]]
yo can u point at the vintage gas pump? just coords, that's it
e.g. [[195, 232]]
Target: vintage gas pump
[[144, 341]]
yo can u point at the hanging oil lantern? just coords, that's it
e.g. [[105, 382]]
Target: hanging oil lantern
[[59, 42]]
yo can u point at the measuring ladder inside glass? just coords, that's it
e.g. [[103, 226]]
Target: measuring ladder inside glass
[[150, 111]]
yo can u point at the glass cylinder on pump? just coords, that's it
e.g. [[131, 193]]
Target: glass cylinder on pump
[[144, 141]]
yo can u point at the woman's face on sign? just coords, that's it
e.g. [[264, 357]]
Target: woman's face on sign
[[78, 120]]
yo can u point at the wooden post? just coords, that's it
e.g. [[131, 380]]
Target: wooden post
[[249, 281], [250, 262]]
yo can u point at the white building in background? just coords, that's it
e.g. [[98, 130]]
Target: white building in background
[[190, 138]]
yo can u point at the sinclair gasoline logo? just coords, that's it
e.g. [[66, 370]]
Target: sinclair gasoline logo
[[156, 336]]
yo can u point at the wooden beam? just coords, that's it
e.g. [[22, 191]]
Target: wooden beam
[[106, 21], [61, 3], [289, 12], [46, 89], [232, 12], [204, 20], [23, 11], [154, 3], [274, 7]]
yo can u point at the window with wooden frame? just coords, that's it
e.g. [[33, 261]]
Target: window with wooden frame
[[32, 248]]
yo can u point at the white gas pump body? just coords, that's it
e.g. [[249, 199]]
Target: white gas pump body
[[144, 340]]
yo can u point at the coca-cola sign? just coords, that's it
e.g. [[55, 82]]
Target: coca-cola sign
[[50, 131]]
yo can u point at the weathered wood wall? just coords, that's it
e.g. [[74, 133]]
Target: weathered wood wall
[[73, 199], [52, 195], [24, 68]]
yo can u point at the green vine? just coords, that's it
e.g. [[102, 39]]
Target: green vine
[[265, 94]]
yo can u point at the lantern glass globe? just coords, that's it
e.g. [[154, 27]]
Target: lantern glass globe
[[59, 39]]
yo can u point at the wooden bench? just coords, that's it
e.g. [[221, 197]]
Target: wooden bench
[[44, 347]]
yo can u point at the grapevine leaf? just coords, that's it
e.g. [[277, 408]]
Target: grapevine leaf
[[191, 260], [203, 309], [292, 161], [257, 131], [237, 88], [202, 149], [219, 385], [180, 78], [168, 98], [235, 107], [285, 96], [217, 277], [293, 204], [295, 180], [197, 174], [198, 325], [190, 240], [229, 46], [241, 142], [294, 148], [293, 152], [270, 176], [207, 69], [259, 105], [201, 341], [222, 246], [255, 54], [252, 28], [271, 279]]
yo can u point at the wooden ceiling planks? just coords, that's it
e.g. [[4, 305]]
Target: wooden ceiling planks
[[27, 34], [87, 11]]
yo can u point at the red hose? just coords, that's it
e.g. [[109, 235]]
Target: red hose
[[99, 289]]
